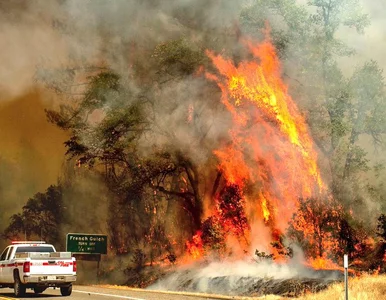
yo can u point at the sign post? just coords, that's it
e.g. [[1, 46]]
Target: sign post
[[345, 265], [87, 246]]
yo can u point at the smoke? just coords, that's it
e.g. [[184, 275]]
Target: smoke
[[31, 152], [85, 200], [241, 278], [27, 40], [370, 44]]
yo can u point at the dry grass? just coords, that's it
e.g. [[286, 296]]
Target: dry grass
[[361, 288]]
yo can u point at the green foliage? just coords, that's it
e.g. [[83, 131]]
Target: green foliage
[[179, 57], [254, 18], [121, 121], [368, 106], [121, 127], [102, 88], [333, 13]]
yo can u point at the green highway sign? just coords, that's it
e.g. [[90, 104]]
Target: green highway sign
[[86, 243]]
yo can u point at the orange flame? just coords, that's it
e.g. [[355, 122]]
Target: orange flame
[[270, 146], [195, 247], [323, 263], [264, 207]]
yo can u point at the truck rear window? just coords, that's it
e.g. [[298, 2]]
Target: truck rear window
[[34, 249]]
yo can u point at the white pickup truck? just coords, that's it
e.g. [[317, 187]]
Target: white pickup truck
[[36, 265]]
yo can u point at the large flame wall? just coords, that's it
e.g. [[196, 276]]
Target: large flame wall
[[270, 155]]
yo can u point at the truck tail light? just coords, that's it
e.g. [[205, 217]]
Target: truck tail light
[[74, 266], [27, 267]]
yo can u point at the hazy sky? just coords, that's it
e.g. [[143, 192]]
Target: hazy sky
[[371, 44]]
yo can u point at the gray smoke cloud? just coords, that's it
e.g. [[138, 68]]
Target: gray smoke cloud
[[369, 45]]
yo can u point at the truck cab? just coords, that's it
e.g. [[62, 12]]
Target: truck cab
[[36, 265]]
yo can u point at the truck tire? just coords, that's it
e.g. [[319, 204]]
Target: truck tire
[[18, 288], [39, 290], [66, 290]]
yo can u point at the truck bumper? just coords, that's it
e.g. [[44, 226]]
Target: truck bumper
[[50, 280]]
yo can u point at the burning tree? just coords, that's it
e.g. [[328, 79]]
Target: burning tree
[[231, 212], [314, 226], [267, 131], [227, 224]]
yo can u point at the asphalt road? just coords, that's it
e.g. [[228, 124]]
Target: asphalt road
[[98, 293]]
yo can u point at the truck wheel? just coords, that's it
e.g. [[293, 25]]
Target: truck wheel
[[39, 290], [66, 290], [18, 287]]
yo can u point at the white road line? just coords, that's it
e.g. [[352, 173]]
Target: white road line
[[109, 295]]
